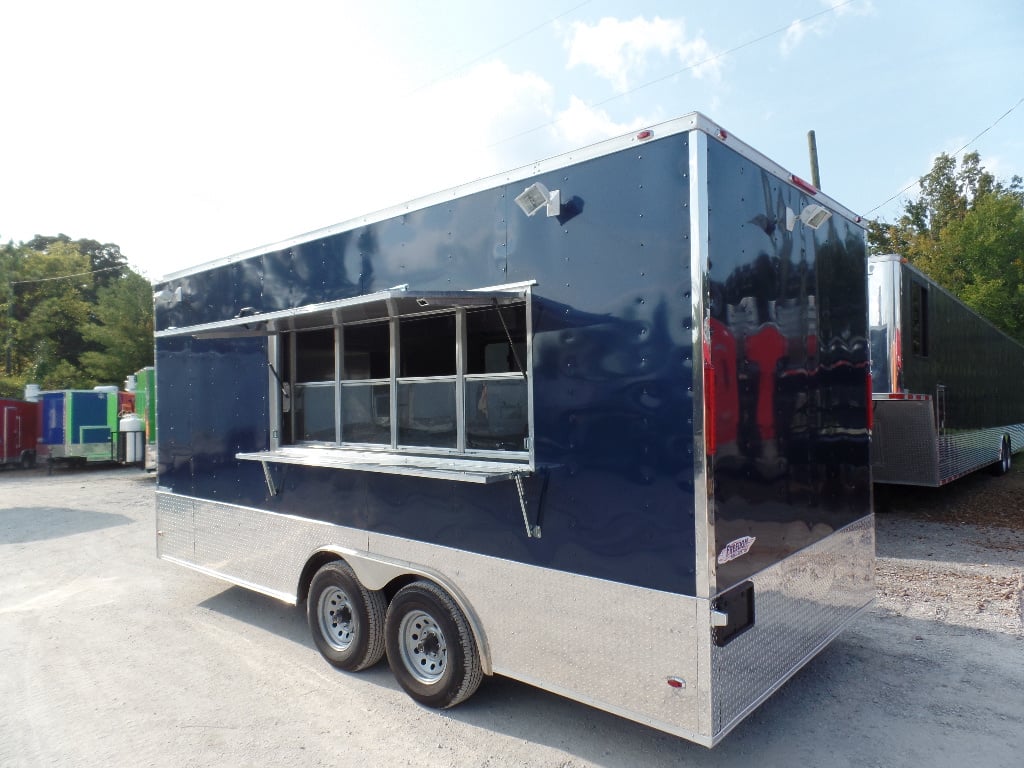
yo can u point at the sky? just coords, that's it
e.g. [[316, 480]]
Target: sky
[[186, 132]]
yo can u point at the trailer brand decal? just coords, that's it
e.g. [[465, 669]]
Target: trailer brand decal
[[737, 548]]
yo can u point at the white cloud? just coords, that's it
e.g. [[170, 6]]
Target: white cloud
[[196, 158], [824, 23], [622, 51], [490, 98], [795, 34], [350, 164], [447, 135], [580, 124]]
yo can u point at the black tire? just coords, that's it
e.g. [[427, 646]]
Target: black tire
[[431, 649], [1002, 466], [345, 618]]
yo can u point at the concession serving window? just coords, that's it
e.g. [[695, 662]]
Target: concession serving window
[[432, 384]]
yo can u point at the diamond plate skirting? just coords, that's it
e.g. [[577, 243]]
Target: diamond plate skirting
[[963, 452], [610, 645], [906, 449], [800, 605], [903, 447], [249, 547]]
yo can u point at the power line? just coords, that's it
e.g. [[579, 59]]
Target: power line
[[687, 68], [63, 277], [965, 146]]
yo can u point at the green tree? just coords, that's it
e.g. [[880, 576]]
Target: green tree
[[51, 308], [106, 261], [121, 330], [966, 232], [65, 325]]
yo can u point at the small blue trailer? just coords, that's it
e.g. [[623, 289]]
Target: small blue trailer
[[79, 426], [599, 424]]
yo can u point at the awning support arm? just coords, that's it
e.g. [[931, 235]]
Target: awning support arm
[[271, 488], [532, 531]]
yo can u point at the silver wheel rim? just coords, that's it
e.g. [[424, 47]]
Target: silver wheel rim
[[338, 623], [423, 647]]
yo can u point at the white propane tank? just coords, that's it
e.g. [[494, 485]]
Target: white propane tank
[[133, 428]]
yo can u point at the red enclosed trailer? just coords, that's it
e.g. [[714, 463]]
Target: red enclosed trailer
[[19, 429]]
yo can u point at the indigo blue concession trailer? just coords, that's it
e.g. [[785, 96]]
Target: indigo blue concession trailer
[[948, 398], [599, 425]]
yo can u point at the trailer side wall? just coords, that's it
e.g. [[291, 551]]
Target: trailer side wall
[[980, 367], [612, 360]]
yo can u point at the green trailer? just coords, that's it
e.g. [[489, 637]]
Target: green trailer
[[145, 407]]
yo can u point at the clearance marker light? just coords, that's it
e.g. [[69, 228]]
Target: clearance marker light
[[676, 682], [870, 402], [644, 135], [806, 186], [710, 388]]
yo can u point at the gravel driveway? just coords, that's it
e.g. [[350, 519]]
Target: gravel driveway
[[110, 657], [955, 554]]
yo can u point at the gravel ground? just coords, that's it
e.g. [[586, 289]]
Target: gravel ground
[[110, 657], [955, 554]]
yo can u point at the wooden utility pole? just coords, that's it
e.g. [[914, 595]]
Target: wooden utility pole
[[812, 147]]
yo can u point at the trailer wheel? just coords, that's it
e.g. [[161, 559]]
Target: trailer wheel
[[431, 649], [345, 618], [1002, 466]]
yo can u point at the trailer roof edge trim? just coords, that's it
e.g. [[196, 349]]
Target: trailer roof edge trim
[[381, 305], [639, 137]]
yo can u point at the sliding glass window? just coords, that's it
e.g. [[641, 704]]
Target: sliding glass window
[[451, 382], [427, 414], [314, 378], [366, 384], [496, 395]]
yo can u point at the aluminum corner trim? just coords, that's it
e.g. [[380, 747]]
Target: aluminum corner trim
[[703, 497]]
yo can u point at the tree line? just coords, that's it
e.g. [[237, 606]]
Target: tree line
[[73, 315], [965, 231]]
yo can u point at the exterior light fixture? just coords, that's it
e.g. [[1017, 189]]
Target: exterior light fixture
[[537, 196], [813, 215], [167, 297]]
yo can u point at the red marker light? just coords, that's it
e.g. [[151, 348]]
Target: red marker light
[[710, 388], [721, 134], [806, 186], [870, 402], [644, 135], [676, 682]]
